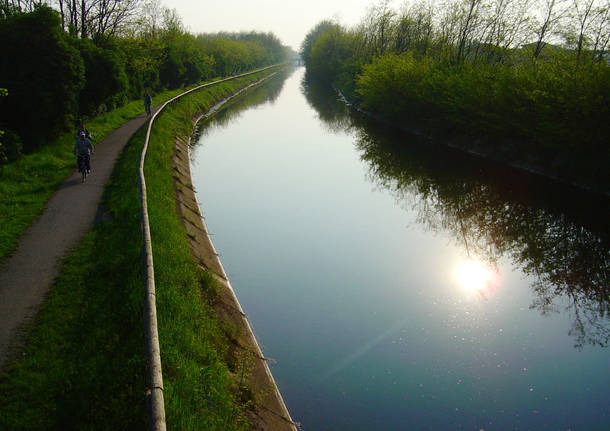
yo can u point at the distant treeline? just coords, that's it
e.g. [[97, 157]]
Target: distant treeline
[[61, 65], [484, 68]]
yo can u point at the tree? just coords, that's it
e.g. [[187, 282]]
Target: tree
[[3, 156], [106, 83], [600, 31], [149, 18], [25, 5], [378, 27], [448, 28], [96, 18], [39, 105], [312, 36], [414, 28], [468, 21], [552, 14], [581, 13], [509, 21]]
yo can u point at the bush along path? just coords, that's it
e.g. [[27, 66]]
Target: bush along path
[[83, 363]]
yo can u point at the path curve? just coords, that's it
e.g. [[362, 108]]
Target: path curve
[[28, 274]]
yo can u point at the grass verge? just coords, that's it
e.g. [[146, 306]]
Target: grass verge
[[188, 366], [84, 364]]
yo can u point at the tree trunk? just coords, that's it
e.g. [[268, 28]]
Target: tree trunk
[[73, 16], [465, 31], [83, 32], [61, 12]]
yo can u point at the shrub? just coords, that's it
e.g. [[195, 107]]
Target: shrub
[[106, 82], [44, 74]]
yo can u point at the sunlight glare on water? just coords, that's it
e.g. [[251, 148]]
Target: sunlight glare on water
[[477, 278]]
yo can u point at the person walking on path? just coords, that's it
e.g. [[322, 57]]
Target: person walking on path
[[147, 103]]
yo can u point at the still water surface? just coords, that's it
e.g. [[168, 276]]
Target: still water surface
[[403, 289]]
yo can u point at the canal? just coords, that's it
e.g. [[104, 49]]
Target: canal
[[401, 286]]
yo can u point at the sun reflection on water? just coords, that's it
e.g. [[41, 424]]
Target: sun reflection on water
[[475, 277]]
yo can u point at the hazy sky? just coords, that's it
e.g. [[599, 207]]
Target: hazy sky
[[290, 20]]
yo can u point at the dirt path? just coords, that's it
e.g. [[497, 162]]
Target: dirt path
[[26, 277]]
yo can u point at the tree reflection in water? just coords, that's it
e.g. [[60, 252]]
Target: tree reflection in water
[[267, 92], [557, 235]]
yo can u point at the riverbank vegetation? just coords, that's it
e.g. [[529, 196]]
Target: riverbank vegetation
[[81, 60], [55, 72], [84, 365], [529, 81]]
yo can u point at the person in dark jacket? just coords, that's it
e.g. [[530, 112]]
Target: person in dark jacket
[[147, 103], [83, 150]]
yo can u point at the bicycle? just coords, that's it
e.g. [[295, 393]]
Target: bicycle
[[83, 165], [83, 149]]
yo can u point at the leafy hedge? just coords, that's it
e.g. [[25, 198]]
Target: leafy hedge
[[548, 112]]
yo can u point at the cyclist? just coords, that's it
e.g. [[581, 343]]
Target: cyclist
[[82, 129], [82, 150]]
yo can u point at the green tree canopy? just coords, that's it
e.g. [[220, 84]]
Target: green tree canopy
[[43, 72]]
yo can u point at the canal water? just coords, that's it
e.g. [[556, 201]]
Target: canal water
[[400, 286]]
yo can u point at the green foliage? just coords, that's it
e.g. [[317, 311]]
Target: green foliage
[[328, 53], [335, 56], [554, 104], [172, 69], [106, 82], [233, 53], [450, 73], [313, 35], [3, 147], [55, 77], [44, 74], [142, 58], [402, 79], [11, 148]]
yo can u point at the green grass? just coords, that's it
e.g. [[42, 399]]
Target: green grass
[[27, 184], [183, 320], [84, 364]]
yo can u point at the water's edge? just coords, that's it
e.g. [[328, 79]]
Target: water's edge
[[271, 412], [497, 153]]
